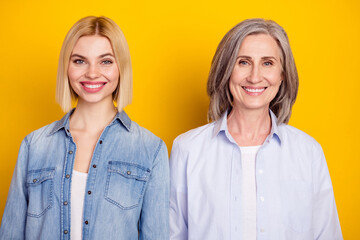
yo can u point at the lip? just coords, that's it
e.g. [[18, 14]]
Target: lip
[[254, 91], [92, 87]]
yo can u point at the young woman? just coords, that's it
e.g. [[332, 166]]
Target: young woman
[[248, 175], [94, 174]]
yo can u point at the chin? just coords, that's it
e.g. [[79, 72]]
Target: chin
[[255, 106]]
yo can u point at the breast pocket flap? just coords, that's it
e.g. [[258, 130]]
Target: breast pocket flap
[[36, 177], [129, 170]]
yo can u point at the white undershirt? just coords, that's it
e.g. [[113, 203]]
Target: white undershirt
[[78, 185], [248, 155]]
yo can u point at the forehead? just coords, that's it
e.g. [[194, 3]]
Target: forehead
[[260, 45], [93, 45]]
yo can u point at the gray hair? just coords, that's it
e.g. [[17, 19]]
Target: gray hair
[[224, 61]]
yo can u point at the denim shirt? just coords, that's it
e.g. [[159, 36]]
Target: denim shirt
[[127, 189]]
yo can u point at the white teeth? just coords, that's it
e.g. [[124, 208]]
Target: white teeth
[[254, 90], [93, 85]]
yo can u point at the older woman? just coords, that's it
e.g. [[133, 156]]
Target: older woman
[[249, 175], [95, 174]]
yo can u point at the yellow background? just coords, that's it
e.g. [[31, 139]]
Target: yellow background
[[171, 45]]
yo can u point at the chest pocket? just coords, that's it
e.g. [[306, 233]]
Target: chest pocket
[[125, 184], [40, 189]]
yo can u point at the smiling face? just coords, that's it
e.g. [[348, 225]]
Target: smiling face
[[93, 72], [257, 74]]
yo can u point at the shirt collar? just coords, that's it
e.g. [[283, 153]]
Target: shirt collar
[[221, 125], [124, 120], [275, 131], [121, 117]]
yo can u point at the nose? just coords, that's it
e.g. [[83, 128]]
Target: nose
[[92, 72], [255, 75]]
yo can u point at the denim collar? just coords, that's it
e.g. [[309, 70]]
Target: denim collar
[[221, 126], [121, 117]]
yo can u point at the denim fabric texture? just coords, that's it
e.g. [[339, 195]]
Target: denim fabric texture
[[127, 189]]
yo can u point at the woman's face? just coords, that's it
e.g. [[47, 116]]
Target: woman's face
[[93, 72], [257, 73]]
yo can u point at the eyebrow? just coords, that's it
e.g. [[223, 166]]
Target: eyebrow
[[248, 57], [106, 54], [82, 57]]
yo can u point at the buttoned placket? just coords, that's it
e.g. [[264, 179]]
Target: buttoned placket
[[261, 205], [66, 185], [236, 188], [90, 184]]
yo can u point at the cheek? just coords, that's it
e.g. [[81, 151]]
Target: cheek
[[73, 73], [237, 75], [112, 74], [234, 89], [274, 91], [275, 78]]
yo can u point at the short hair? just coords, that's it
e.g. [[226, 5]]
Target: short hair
[[99, 26], [224, 61]]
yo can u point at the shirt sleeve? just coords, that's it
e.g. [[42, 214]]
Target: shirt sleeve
[[178, 195], [325, 217], [14, 218], [154, 220]]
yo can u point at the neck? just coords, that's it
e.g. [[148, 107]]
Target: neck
[[92, 117], [249, 127]]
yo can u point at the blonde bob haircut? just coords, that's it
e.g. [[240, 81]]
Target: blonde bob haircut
[[99, 26], [224, 61]]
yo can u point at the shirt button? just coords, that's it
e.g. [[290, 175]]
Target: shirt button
[[65, 203], [67, 176], [86, 222], [94, 166], [128, 172], [65, 231], [89, 192], [261, 171], [262, 198], [34, 180], [100, 141], [70, 152]]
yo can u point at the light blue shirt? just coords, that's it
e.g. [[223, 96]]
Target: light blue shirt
[[294, 194], [127, 190]]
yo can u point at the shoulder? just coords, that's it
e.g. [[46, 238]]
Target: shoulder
[[194, 137], [142, 132], [127, 132], [146, 138], [298, 138], [42, 134]]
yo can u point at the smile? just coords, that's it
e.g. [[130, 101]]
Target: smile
[[254, 90], [92, 87]]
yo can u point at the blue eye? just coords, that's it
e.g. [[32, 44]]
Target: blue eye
[[242, 62], [268, 63], [107, 62], [79, 61]]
